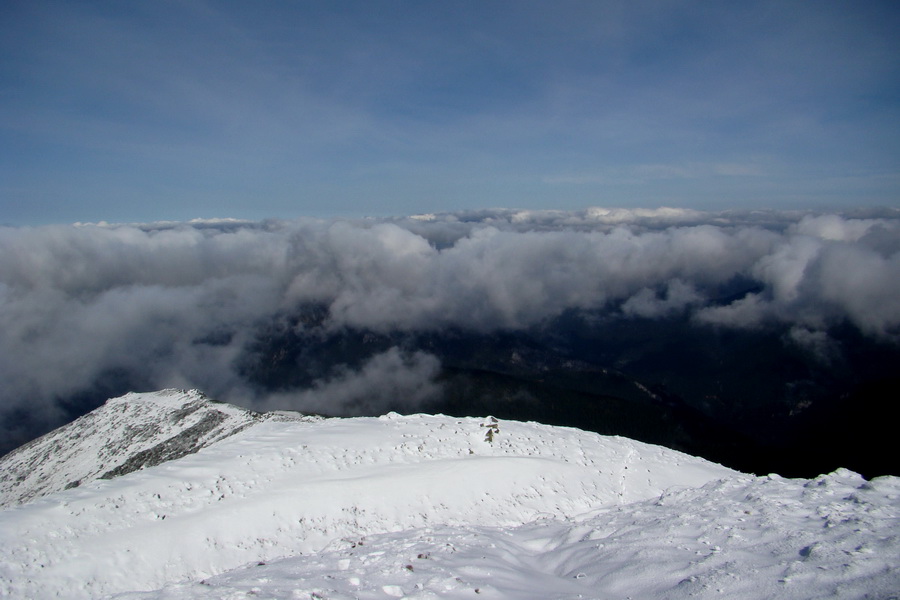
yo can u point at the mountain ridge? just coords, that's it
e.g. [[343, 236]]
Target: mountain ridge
[[427, 507], [285, 485], [127, 433]]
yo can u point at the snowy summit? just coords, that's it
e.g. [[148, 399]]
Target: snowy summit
[[186, 498]]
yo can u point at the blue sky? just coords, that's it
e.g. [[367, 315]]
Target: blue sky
[[143, 111]]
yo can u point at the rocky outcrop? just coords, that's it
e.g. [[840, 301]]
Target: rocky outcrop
[[126, 434]]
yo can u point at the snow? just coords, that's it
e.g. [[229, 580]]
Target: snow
[[739, 538], [125, 434], [424, 506]]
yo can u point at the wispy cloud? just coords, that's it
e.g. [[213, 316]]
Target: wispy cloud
[[643, 173]]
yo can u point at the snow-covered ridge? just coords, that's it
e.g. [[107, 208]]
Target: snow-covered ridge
[[430, 506], [125, 434], [278, 488]]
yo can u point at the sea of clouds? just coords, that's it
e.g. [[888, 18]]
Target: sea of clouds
[[177, 304]]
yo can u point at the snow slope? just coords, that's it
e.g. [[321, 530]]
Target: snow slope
[[123, 435], [744, 537], [426, 507]]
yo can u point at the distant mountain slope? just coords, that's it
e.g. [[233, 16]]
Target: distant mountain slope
[[279, 489], [125, 434]]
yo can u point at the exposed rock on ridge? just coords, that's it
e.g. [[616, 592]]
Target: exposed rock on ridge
[[126, 434]]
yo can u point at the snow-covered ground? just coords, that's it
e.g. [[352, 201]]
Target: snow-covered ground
[[427, 507], [738, 538], [123, 435]]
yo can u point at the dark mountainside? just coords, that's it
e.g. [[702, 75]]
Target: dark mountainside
[[750, 400]]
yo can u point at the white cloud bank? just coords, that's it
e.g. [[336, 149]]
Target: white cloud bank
[[178, 303]]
